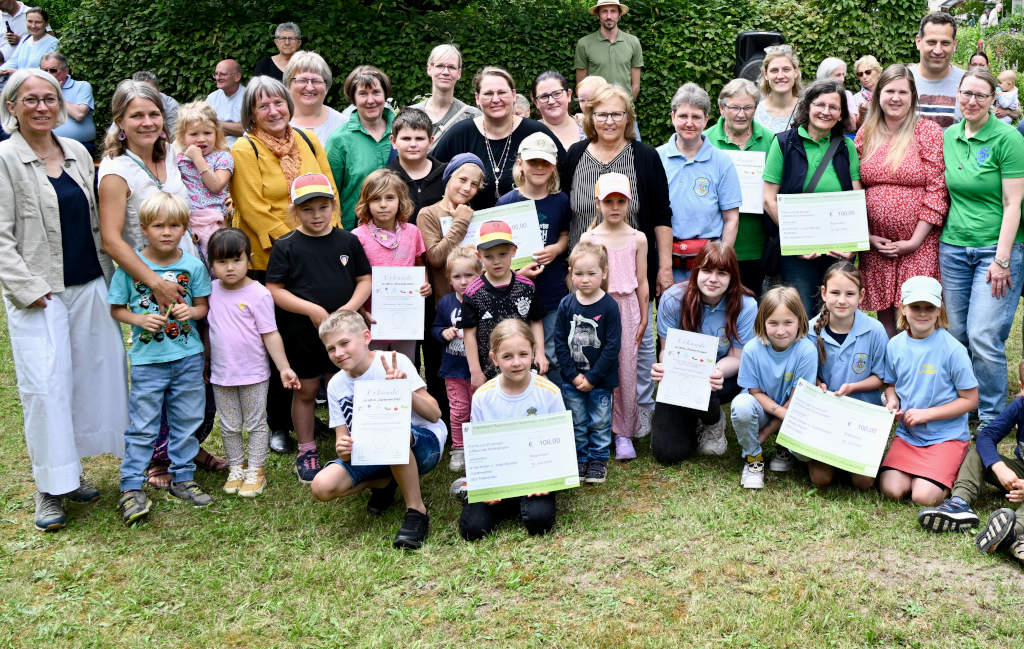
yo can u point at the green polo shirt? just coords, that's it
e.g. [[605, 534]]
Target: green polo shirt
[[613, 61], [750, 235], [353, 155], [815, 152], [975, 168]]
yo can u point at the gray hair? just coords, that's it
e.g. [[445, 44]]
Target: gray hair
[[145, 76], [287, 27], [692, 94], [441, 51], [306, 61], [10, 93], [62, 61], [828, 67], [739, 87], [258, 87]]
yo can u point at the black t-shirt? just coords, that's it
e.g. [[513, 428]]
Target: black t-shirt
[[485, 305], [267, 67], [839, 338], [424, 192], [81, 264]]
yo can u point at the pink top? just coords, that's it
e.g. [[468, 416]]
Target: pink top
[[237, 320], [384, 248]]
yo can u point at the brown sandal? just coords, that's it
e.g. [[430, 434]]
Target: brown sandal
[[158, 476], [209, 462]]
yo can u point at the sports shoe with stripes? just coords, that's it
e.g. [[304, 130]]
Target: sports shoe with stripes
[[953, 515]]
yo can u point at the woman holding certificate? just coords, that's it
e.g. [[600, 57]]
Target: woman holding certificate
[[904, 177], [981, 248], [811, 157]]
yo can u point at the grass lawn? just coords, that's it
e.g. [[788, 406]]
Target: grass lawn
[[657, 557]]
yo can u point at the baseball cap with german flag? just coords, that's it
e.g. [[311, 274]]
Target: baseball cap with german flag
[[495, 233], [309, 186]]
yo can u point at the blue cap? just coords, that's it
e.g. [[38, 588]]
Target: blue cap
[[458, 161]]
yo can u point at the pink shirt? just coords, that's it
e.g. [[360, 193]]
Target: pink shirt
[[237, 320], [410, 246]]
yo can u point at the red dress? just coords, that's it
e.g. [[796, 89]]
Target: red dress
[[896, 201]]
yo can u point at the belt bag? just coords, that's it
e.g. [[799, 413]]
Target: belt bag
[[685, 250]]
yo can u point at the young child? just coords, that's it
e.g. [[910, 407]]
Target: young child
[[516, 392], [931, 386], [421, 172], [984, 463], [536, 179], [770, 367], [166, 357], [205, 166], [463, 268], [1006, 94], [587, 339], [387, 237], [627, 284], [851, 352], [347, 339], [313, 271], [242, 332], [497, 294]]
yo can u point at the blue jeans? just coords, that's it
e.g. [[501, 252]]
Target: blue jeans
[[644, 361], [748, 418], [426, 450], [179, 386], [978, 320], [805, 276], [591, 421], [553, 374]]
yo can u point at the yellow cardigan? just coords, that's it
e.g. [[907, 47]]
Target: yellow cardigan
[[261, 196]]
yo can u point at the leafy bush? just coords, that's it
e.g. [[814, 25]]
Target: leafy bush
[[683, 40]]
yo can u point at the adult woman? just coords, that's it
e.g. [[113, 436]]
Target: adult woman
[[981, 254], [31, 48], [494, 137], [790, 166], [308, 78], [610, 126], [835, 69], [866, 69], [737, 130], [712, 302], [268, 158], [68, 354], [780, 88], [978, 59], [703, 187], [903, 172], [551, 95], [287, 39], [362, 145], [444, 67]]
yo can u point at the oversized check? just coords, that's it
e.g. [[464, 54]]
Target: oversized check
[[843, 432], [750, 168], [519, 457], [823, 222], [688, 360], [521, 217], [381, 422], [396, 303]]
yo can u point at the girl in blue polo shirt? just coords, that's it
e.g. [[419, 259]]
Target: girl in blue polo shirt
[[851, 352], [931, 387]]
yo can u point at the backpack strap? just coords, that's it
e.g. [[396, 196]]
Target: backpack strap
[[305, 138]]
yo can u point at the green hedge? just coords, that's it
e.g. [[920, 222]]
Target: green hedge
[[683, 40]]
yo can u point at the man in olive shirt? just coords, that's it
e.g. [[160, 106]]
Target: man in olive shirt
[[608, 52]]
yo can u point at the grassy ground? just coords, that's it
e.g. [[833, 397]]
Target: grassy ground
[[657, 557]]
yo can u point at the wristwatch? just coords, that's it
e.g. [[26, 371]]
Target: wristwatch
[[1003, 263]]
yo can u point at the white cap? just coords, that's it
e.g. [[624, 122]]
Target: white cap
[[538, 146], [612, 183], [921, 289]]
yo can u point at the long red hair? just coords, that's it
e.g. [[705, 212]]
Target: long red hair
[[715, 255]]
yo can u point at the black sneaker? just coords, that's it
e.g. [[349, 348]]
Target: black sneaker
[[597, 472], [998, 531], [582, 468], [86, 493], [381, 499], [413, 531], [189, 491], [321, 430]]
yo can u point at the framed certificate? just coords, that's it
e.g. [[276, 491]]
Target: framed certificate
[[823, 222], [521, 217]]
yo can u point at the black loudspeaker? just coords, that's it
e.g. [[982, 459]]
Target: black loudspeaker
[[750, 52]]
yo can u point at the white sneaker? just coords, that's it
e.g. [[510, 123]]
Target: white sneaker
[[782, 461], [644, 417], [753, 475], [711, 440], [457, 461]]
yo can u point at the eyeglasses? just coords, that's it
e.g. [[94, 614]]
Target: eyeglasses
[[51, 70], [499, 94], [445, 67], [828, 108], [554, 95], [976, 96], [223, 75], [738, 109], [309, 81], [287, 39], [616, 117], [33, 102]]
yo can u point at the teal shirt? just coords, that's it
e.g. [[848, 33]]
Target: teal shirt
[[353, 155], [815, 152]]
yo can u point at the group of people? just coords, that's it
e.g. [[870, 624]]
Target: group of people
[[221, 255]]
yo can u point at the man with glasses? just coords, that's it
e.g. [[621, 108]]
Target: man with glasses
[[936, 78], [78, 100], [609, 52], [227, 98]]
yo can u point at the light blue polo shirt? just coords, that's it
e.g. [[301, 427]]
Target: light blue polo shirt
[[228, 109], [928, 373], [699, 189], [712, 321], [78, 92], [776, 373], [861, 355]]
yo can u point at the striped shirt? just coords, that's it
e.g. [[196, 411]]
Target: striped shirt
[[589, 169]]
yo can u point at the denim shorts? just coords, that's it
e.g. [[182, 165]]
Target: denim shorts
[[425, 448]]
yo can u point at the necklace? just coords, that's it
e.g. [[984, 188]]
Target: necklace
[[498, 165]]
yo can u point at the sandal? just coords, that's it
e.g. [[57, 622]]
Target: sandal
[[209, 462], [158, 476]]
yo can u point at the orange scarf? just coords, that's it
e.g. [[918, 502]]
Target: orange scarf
[[285, 149]]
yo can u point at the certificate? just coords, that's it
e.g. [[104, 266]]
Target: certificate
[[519, 457], [689, 359], [823, 222], [750, 167], [381, 422], [396, 303], [521, 217], [843, 432]]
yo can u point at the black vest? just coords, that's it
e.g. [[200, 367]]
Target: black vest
[[794, 163]]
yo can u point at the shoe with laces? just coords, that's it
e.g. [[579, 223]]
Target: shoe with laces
[[86, 493], [644, 428], [953, 515], [624, 449], [711, 439], [753, 475], [381, 499], [50, 514], [255, 481], [236, 476], [782, 461], [133, 504], [189, 491], [413, 532], [307, 465], [597, 472], [457, 460], [1017, 548], [998, 532]]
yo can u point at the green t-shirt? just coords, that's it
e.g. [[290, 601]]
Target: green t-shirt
[[613, 61], [815, 152], [750, 235], [975, 169], [353, 155]]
